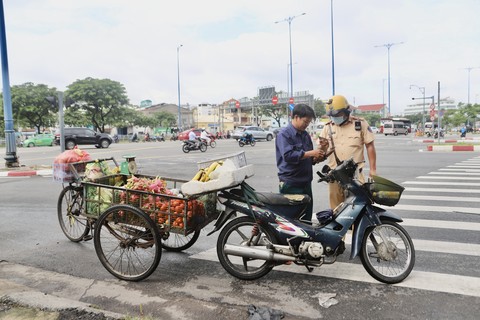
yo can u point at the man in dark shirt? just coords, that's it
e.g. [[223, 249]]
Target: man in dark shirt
[[295, 156]]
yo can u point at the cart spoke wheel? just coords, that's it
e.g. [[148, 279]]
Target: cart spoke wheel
[[127, 242], [70, 213], [179, 242]]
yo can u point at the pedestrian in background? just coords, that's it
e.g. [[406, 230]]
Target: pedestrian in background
[[295, 156], [348, 136]]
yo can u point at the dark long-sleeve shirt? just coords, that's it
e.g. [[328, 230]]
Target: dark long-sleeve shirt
[[290, 146]]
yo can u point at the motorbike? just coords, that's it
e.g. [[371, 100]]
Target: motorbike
[[435, 134], [246, 139], [270, 232], [212, 142], [160, 138], [188, 145]]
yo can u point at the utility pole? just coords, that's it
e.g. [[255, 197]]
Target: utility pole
[[10, 143]]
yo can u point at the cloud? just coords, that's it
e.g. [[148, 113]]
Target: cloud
[[231, 48]]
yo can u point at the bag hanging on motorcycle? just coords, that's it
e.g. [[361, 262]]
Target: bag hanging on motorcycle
[[384, 191], [324, 216]]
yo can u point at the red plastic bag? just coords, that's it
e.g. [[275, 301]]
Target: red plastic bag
[[74, 155]]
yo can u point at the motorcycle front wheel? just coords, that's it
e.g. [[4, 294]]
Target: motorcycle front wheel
[[185, 148], [387, 252], [252, 143], [237, 233], [203, 147], [213, 144]]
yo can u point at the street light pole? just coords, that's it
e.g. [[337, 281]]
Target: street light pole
[[422, 90], [289, 20], [178, 87], [388, 46], [469, 69], [333, 51]]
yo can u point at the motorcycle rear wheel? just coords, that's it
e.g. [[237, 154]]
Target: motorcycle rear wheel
[[388, 265], [237, 232], [203, 147], [241, 143]]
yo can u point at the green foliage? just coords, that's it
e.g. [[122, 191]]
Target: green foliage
[[164, 119], [319, 108], [372, 119], [30, 108], [276, 112], [101, 99]]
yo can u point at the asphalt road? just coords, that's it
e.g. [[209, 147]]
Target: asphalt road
[[440, 207]]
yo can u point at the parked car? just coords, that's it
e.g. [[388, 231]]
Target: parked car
[[40, 139], [375, 129], [184, 134], [84, 136], [257, 132]]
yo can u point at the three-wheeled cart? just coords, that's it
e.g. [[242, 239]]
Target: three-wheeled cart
[[130, 223]]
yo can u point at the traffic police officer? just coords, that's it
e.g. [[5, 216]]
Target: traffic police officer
[[347, 136]]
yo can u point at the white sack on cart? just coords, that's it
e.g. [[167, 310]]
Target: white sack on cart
[[225, 176]]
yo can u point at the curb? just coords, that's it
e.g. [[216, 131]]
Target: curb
[[453, 148], [446, 140], [26, 173]]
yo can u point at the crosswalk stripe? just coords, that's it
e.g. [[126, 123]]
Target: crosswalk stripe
[[422, 280], [463, 166], [467, 249], [466, 191], [448, 178], [465, 170], [456, 173], [409, 207], [472, 184], [440, 198], [442, 224]]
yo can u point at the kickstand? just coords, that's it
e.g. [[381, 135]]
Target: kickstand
[[310, 269]]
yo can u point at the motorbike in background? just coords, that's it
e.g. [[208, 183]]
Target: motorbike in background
[[199, 144], [246, 139], [269, 231]]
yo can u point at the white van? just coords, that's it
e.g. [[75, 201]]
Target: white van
[[394, 128]]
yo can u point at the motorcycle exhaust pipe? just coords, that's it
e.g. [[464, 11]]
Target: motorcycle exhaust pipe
[[256, 253]]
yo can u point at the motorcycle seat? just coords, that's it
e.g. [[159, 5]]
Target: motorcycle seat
[[278, 199], [283, 199]]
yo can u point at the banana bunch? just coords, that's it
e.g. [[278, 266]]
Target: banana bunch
[[203, 175]]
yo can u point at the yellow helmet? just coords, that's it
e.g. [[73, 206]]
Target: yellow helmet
[[336, 105]]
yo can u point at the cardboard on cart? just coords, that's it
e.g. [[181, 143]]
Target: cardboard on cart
[[226, 176]]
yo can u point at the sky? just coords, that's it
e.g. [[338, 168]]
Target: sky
[[232, 48]]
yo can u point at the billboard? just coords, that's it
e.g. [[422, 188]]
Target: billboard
[[265, 95]]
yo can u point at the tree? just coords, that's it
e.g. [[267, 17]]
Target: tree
[[319, 108], [165, 119], [100, 98], [30, 107], [277, 112]]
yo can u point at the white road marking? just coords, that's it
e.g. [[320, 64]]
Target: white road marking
[[409, 207], [465, 191], [471, 184], [449, 178], [440, 198], [442, 224], [422, 280]]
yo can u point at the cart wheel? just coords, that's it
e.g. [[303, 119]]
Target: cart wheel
[[178, 242], [70, 208], [127, 242]]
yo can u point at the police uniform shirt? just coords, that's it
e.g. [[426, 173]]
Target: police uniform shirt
[[349, 140]]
